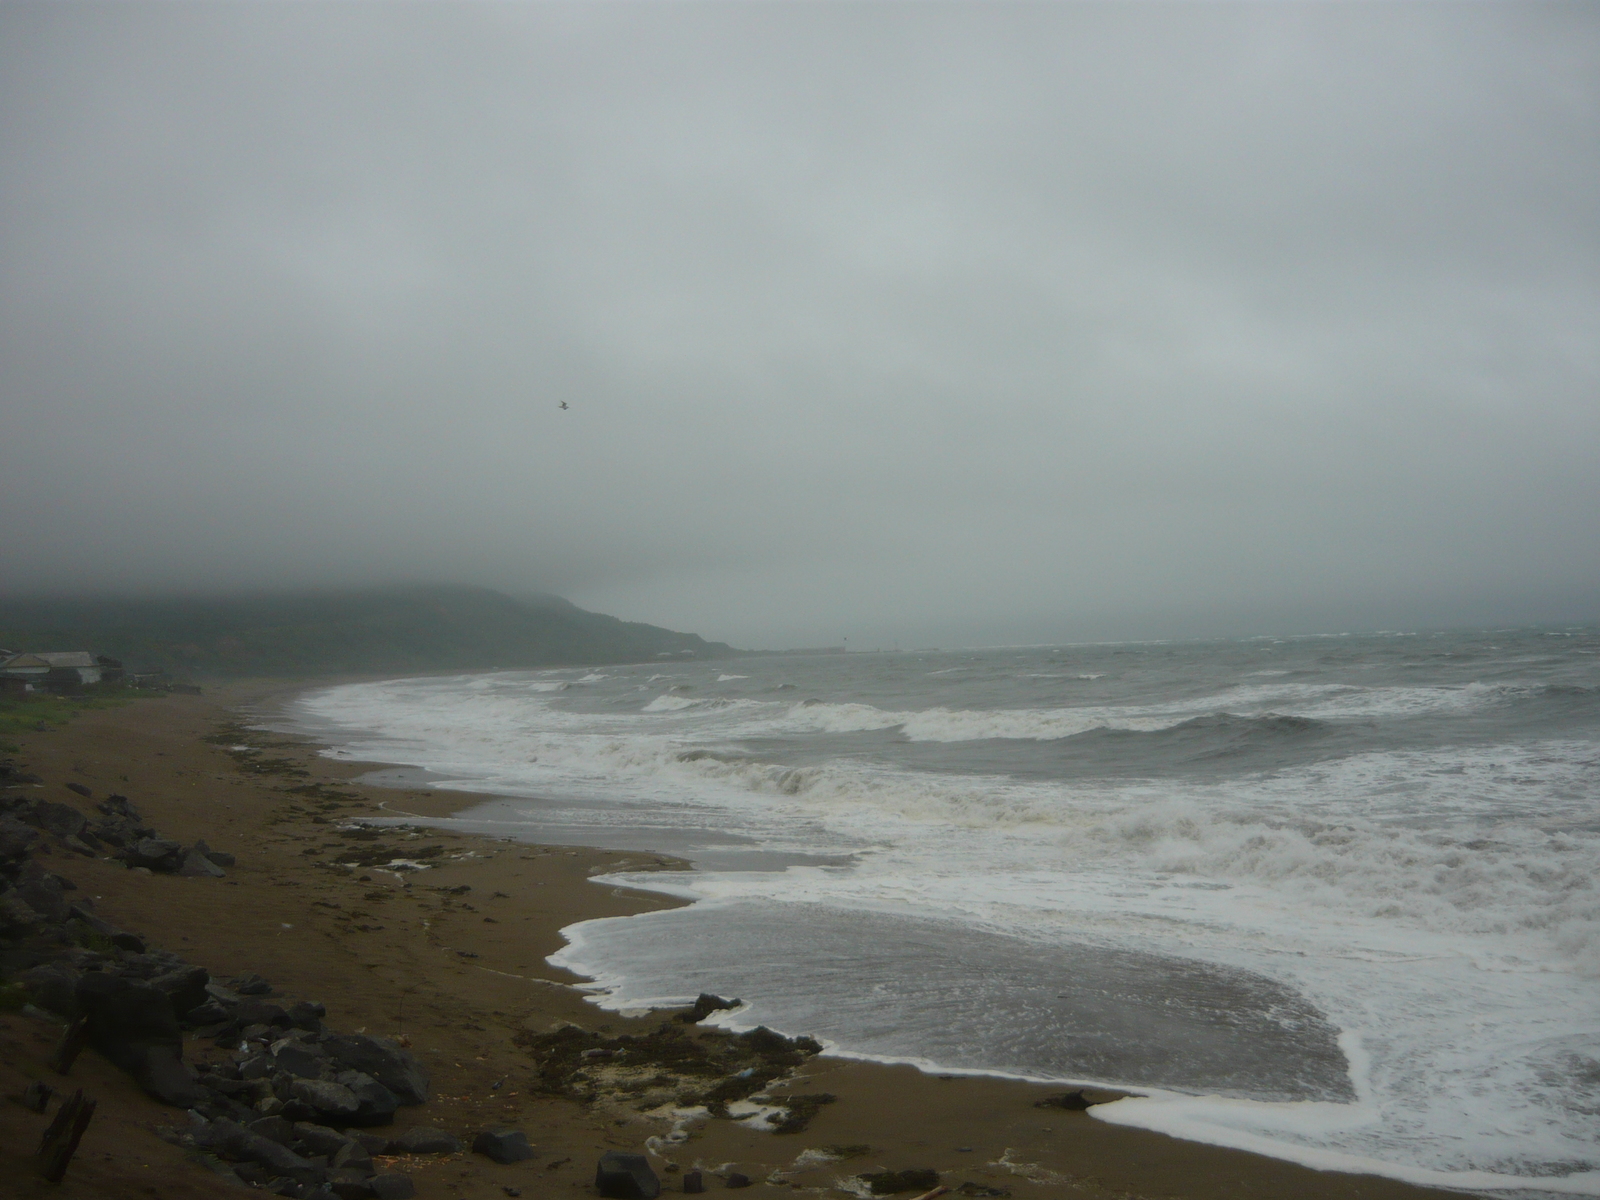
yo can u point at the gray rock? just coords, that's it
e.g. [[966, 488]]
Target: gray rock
[[220, 857], [626, 1177], [319, 1139], [377, 1102], [60, 819], [375, 1143], [197, 865], [236, 1142], [422, 1140], [275, 1128], [17, 917], [307, 1015], [303, 1062], [352, 1156], [185, 987], [15, 838], [132, 1025], [385, 1061], [43, 892], [155, 854], [502, 1145], [349, 1185], [332, 1101]]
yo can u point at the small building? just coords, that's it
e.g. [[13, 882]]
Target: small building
[[58, 670]]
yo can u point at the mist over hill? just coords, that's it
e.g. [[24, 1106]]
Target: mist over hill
[[418, 628]]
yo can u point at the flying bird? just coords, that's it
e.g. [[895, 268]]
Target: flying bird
[[563, 404]]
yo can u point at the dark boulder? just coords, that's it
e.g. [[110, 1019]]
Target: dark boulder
[[706, 1004], [220, 857], [332, 1102], [17, 916], [157, 854], [15, 838], [626, 1177], [352, 1156], [392, 1186], [60, 819], [377, 1103], [52, 986], [307, 1014], [1071, 1101], [276, 1128], [133, 1026], [503, 1145], [737, 1179], [320, 1139], [384, 1060], [260, 1012], [185, 987], [250, 985], [121, 807], [886, 1183], [300, 1060], [234, 1141], [197, 866], [44, 893]]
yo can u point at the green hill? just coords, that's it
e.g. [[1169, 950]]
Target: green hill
[[421, 628]]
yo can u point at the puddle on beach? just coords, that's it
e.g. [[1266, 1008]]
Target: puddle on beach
[[931, 991]]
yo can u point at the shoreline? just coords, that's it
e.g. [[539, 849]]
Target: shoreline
[[463, 984]]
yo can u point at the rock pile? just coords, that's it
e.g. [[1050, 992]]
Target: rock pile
[[119, 831], [285, 1104]]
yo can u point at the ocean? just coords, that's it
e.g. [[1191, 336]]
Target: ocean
[[1332, 899]]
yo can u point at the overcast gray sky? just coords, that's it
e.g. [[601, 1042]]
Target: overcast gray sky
[[937, 323]]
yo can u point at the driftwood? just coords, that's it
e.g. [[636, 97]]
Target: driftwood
[[938, 1191], [70, 1046], [60, 1141]]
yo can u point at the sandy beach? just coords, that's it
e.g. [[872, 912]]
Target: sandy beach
[[462, 976]]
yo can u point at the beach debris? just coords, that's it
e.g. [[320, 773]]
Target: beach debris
[[60, 1141], [73, 1039], [625, 1177], [503, 1146], [978, 1189], [694, 1182], [670, 1065], [1071, 1101], [79, 788], [798, 1111], [887, 1183]]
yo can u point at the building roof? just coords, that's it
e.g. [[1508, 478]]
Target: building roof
[[68, 658]]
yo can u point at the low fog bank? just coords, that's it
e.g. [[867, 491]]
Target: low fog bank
[[928, 324]]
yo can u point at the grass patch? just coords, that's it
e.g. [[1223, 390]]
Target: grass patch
[[24, 714]]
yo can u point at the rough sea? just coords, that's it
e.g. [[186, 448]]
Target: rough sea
[[1332, 899]]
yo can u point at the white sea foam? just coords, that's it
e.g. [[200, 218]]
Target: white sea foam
[[1455, 940]]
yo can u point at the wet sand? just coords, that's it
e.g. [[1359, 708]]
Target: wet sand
[[462, 975]]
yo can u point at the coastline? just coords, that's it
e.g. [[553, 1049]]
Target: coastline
[[462, 977]]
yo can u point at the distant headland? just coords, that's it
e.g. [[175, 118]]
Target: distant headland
[[340, 632]]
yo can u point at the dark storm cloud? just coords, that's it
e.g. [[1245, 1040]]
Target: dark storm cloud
[[954, 322]]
